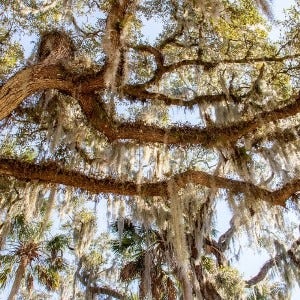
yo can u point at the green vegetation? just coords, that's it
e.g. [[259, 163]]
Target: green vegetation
[[184, 145]]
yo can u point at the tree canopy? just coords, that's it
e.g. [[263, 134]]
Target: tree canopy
[[169, 136]]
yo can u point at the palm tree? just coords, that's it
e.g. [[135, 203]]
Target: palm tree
[[143, 253], [29, 256]]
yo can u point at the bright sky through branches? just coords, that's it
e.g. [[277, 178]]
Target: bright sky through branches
[[225, 95], [249, 263]]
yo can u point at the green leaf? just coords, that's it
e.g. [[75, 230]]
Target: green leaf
[[5, 275]]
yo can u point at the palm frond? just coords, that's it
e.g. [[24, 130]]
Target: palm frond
[[132, 270], [126, 244], [48, 277], [129, 227], [57, 243], [5, 275], [7, 259]]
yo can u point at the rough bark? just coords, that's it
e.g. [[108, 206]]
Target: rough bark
[[52, 173], [29, 81], [273, 261], [33, 79]]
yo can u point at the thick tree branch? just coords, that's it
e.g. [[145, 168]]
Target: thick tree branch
[[271, 263], [246, 60], [30, 80], [182, 135], [114, 40], [281, 136], [101, 290], [142, 95], [164, 69], [159, 58], [39, 77], [216, 250], [52, 173], [224, 239]]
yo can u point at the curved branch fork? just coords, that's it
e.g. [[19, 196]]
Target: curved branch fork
[[28, 81], [40, 77]]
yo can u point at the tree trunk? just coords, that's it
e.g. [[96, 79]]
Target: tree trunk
[[19, 276]]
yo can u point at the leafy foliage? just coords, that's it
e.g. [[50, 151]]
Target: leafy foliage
[[167, 135]]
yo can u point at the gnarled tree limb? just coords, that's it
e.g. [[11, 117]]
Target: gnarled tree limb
[[271, 263], [53, 173], [28, 81]]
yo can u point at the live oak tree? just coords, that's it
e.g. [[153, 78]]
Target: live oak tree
[[175, 135]]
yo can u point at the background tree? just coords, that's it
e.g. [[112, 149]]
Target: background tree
[[28, 256], [144, 258], [167, 132]]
